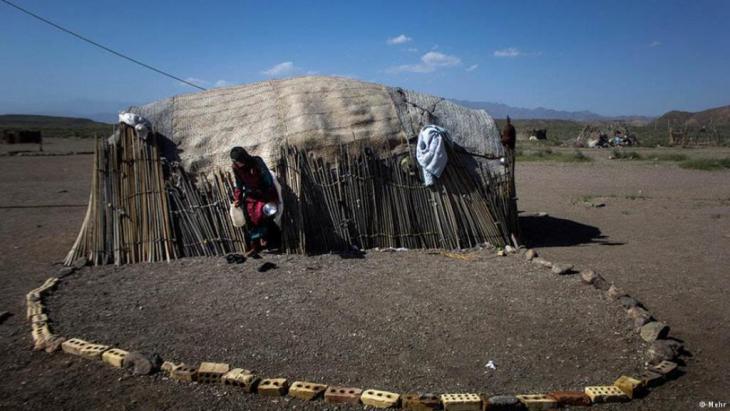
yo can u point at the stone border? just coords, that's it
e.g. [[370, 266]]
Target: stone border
[[661, 367]]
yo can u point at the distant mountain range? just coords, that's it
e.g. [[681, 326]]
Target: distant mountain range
[[52, 126], [714, 117], [499, 110], [97, 110]]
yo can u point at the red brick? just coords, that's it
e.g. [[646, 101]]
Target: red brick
[[421, 402], [571, 398]]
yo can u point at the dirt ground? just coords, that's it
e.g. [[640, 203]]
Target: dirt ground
[[399, 321], [662, 234]]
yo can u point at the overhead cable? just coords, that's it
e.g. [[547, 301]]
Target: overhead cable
[[101, 46]]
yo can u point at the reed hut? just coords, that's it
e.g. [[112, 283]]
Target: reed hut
[[343, 152], [22, 137]]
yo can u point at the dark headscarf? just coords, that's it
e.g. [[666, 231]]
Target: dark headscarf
[[240, 154]]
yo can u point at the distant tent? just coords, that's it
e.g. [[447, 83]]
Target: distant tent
[[343, 151], [22, 137]]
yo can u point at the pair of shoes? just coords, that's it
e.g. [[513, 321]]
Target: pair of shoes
[[235, 259]]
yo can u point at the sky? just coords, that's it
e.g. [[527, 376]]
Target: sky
[[638, 57]]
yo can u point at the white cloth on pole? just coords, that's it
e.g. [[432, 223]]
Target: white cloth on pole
[[140, 124], [431, 152]]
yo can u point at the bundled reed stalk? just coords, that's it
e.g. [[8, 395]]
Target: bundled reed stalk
[[201, 214], [127, 220], [368, 201]]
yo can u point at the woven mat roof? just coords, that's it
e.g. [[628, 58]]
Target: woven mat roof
[[317, 113]]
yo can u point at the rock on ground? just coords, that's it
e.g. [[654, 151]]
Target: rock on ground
[[654, 330], [663, 350], [561, 269], [588, 276]]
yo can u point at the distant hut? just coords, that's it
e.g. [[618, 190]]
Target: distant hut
[[22, 137], [692, 134], [538, 134], [344, 154]]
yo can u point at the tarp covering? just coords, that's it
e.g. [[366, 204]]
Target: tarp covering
[[314, 113]]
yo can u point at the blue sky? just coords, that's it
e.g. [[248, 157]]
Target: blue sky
[[611, 57]]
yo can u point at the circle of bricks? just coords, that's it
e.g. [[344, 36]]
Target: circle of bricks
[[623, 389]]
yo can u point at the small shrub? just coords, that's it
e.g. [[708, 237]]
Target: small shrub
[[625, 155], [580, 157]]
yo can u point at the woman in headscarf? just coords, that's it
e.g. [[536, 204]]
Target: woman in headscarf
[[254, 189]]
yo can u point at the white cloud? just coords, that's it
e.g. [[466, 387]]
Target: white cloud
[[311, 73], [472, 67], [402, 39], [282, 69], [222, 83], [430, 62], [436, 59], [412, 50], [515, 52], [508, 52], [655, 43]]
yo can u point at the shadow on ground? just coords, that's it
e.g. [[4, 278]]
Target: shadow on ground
[[548, 231]]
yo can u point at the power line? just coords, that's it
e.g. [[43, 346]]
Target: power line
[[92, 42]]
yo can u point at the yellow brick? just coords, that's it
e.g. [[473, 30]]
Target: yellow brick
[[211, 372], [35, 309], [274, 387], [380, 399], [49, 284], [114, 357], [461, 402], [606, 393], [74, 346], [41, 328], [39, 319], [167, 366], [32, 297], [93, 351], [240, 378], [36, 334], [183, 372], [41, 334], [537, 402], [628, 385], [306, 390]]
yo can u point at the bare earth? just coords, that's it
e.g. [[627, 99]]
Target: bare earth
[[406, 320]]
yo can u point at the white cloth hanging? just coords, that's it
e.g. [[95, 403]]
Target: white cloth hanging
[[139, 123], [431, 152]]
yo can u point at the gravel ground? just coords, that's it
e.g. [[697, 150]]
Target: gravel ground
[[397, 321]]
